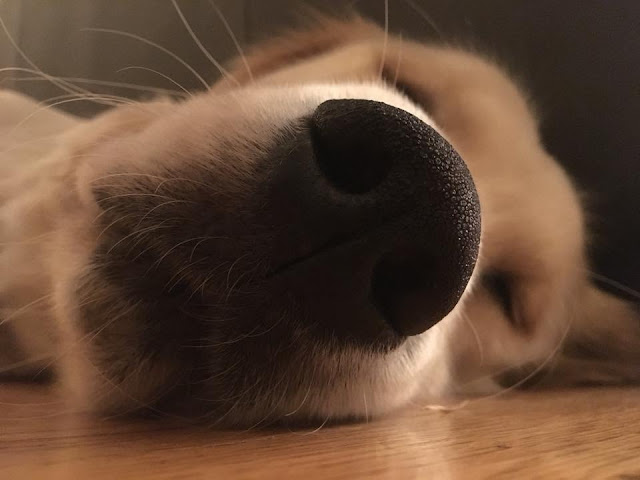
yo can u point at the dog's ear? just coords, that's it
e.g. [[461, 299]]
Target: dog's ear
[[117, 123], [603, 344], [294, 46], [92, 146]]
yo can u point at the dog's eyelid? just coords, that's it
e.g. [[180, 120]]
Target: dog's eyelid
[[500, 285], [392, 80]]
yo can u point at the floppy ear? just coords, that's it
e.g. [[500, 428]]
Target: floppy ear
[[117, 123], [114, 125], [603, 346], [27, 337], [296, 45]]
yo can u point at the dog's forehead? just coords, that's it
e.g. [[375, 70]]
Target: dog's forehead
[[361, 60], [254, 114], [304, 97]]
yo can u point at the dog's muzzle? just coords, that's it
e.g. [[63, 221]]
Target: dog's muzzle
[[376, 220]]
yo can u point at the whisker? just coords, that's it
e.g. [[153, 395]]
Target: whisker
[[468, 321], [105, 83], [153, 195], [31, 404], [613, 283], [138, 233], [366, 408], [23, 363], [142, 252], [27, 241], [386, 38], [155, 45], [137, 402], [326, 420], [206, 280], [17, 312], [202, 48], [166, 77], [304, 399], [105, 229], [70, 94], [232, 266], [43, 106], [178, 275], [255, 332], [89, 336], [92, 335], [239, 279], [105, 211], [238, 401], [151, 210], [396, 72], [200, 242], [275, 407], [543, 364], [163, 180], [233, 39], [70, 88], [159, 261], [426, 17], [219, 374], [99, 98]]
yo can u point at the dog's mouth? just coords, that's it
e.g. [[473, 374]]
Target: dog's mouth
[[349, 241], [317, 254]]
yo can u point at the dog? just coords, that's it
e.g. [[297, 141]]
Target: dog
[[346, 223]]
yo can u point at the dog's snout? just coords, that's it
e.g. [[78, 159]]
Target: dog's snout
[[380, 221]]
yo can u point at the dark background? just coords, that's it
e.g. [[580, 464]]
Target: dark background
[[579, 60]]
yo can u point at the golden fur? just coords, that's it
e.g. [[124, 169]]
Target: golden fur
[[556, 323]]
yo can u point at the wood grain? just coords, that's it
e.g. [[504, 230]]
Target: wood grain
[[587, 434]]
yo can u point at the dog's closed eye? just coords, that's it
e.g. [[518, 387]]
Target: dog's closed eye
[[499, 286], [391, 78]]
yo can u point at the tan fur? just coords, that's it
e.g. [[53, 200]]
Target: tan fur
[[533, 229]]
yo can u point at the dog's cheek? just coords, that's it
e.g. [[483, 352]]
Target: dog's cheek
[[477, 340], [490, 347], [603, 344], [105, 366]]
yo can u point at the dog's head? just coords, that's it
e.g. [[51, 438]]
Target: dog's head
[[346, 221]]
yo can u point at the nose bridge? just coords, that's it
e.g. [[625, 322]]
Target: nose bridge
[[379, 217]]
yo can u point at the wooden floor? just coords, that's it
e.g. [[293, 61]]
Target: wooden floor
[[589, 434]]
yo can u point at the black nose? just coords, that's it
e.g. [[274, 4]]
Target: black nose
[[379, 221]]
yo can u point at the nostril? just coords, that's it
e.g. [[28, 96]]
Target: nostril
[[409, 290], [351, 143]]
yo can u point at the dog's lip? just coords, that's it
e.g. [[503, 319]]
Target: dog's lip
[[324, 249], [332, 245]]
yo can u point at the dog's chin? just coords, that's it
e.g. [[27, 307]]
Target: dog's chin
[[278, 369], [278, 373], [323, 384]]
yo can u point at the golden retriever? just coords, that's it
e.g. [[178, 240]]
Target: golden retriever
[[344, 223]]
